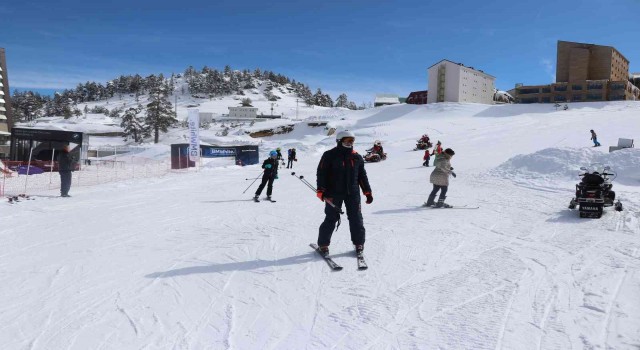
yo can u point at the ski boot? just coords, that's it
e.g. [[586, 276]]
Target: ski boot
[[442, 204], [359, 248], [430, 201], [255, 199], [324, 250]]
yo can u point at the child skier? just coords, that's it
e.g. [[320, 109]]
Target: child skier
[[594, 137], [270, 166], [426, 158]]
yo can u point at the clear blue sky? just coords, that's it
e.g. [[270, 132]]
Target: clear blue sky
[[359, 47]]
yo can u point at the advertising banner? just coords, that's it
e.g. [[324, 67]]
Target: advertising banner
[[194, 135]]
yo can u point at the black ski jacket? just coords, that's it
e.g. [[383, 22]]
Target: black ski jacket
[[65, 162], [274, 167], [292, 155], [341, 172]]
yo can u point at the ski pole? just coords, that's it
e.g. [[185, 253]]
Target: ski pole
[[254, 181], [304, 181]]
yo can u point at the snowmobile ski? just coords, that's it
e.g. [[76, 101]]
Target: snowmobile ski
[[327, 258]]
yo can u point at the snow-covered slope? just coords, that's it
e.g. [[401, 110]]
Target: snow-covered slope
[[187, 261]]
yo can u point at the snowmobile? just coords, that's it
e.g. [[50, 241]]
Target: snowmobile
[[422, 145], [373, 157], [593, 193]]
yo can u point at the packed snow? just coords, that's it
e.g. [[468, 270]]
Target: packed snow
[[188, 261]]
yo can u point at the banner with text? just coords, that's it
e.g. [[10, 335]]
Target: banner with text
[[194, 135]]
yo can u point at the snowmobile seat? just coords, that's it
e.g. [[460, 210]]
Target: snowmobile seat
[[593, 179]]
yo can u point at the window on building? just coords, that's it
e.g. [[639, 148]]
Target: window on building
[[595, 86], [546, 90], [594, 97], [576, 87], [576, 98], [617, 86], [559, 98], [528, 91], [545, 100], [529, 100], [560, 88]]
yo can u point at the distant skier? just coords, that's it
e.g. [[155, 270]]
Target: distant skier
[[594, 137], [440, 179], [280, 158], [437, 149], [270, 166], [426, 158], [291, 157], [340, 175]]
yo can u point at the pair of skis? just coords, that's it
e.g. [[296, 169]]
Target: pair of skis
[[362, 264], [258, 201]]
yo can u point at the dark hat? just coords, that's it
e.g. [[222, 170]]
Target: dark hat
[[449, 151]]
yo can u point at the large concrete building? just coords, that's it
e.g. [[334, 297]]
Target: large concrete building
[[584, 72], [454, 82], [577, 62], [5, 107]]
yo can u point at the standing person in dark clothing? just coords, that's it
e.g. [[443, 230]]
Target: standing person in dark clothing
[[270, 166], [291, 158], [65, 167], [340, 176], [594, 137]]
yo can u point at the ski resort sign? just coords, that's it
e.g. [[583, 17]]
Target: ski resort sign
[[194, 135]]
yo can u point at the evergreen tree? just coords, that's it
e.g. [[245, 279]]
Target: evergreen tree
[[160, 115], [133, 125], [342, 101]]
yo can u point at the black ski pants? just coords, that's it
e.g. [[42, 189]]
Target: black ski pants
[[290, 164], [65, 182], [435, 190], [266, 179], [354, 214]]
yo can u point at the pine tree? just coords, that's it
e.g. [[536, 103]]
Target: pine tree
[[342, 101], [160, 115], [133, 125]]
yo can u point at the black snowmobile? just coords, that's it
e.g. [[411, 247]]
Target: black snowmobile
[[593, 193]]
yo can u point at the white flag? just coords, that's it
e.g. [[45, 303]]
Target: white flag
[[194, 135]]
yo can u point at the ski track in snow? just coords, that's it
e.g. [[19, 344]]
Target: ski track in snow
[[185, 262]]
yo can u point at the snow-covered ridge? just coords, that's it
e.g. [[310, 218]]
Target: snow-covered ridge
[[565, 163]]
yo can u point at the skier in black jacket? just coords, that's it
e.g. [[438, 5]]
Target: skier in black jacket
[[340, 176], [270, 166]]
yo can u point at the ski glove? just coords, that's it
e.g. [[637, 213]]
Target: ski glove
[[320, 195], [453, 174], [268, 166], [276, 177], [451, 168], [369, 198]]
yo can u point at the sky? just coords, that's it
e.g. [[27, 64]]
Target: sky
[[353, 46]]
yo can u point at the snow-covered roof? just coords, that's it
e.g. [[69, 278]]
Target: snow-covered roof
[[387, 98]]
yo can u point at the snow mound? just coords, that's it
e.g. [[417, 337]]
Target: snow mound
[[565, 163]]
